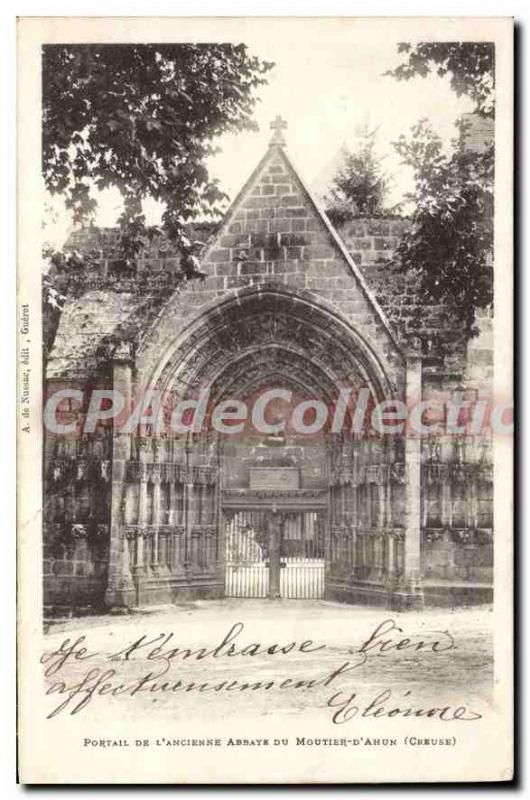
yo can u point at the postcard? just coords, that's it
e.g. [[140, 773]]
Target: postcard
[[265, 400]]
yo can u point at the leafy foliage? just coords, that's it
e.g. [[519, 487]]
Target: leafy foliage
[[470, 65], [449, 244], [360, 187], [143, 118], [53, 292]]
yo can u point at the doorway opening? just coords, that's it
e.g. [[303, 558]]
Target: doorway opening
[[275, 554]]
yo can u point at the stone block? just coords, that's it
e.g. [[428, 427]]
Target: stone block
[[234, 281], [371, 257], [352, 228], [213, 283], [279, 267], [265, 240], [345, 282], [226, 269], [362, 243], [275, 277], [223, 254], [293, 239], [272, 253], [232, 239], [295, 280], [292, 252], [317, 268], [290, 200], [259, 202], [283, 225], [252, 267], [318, 251], [257, 279], [298, 225], [382, 256], [313, 224], [281, 189], [319, 284]]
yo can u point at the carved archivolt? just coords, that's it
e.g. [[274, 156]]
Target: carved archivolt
[[271, 332]]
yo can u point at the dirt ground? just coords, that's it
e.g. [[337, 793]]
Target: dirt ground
[[429, 657]]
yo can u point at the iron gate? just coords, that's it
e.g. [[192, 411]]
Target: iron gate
[[302, 556], [299, 558], [247, 552]]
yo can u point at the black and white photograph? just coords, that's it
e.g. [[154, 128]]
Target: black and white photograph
[[265, 410]]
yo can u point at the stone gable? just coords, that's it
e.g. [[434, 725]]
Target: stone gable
[[274, 234]]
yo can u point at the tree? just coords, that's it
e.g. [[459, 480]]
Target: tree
[[143, 118], [470, 65], [449, 244], [360, 187]]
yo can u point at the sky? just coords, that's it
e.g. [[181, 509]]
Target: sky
[[324, 91]]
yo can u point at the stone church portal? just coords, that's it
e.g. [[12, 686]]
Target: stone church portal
[[138, 519]]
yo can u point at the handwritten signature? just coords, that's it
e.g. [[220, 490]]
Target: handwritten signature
[[160, 653]]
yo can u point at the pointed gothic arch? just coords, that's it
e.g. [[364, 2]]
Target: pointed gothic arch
[[295, 322]]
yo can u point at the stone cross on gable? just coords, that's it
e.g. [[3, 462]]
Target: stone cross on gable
[[278, 125]]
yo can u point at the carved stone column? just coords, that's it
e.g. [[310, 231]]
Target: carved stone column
[[142, 513], [120, 587], [189, 508], [173, 504], [275, 543], [409, 592], [155, 556]]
